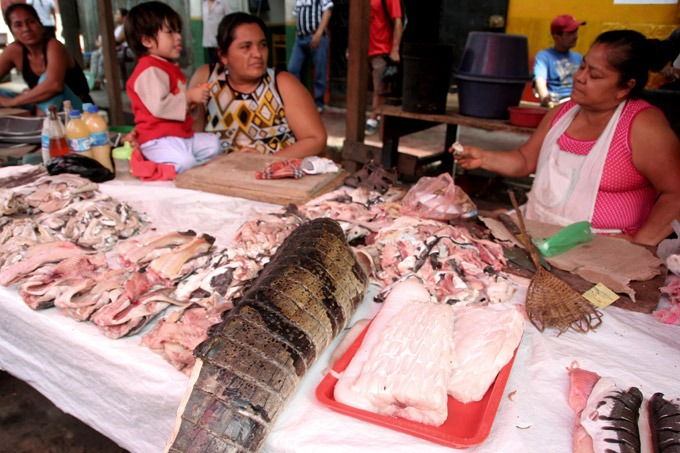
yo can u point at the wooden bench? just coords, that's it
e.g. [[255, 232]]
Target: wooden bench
[[397, 123]]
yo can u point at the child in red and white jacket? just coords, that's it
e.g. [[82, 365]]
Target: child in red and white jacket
[[157, 91]]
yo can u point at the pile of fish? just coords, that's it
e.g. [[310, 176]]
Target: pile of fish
[[256, 357], [211, 288], [668, 251], [609, 419], [417, 351], [69, 208], [454, 265], [120, 291]]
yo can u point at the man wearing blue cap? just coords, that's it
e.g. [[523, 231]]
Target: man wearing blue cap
[[554, 68]]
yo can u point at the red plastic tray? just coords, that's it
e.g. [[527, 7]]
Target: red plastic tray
[[467, 424]]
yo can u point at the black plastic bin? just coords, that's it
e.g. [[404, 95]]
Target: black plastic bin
[[493, 72], [427, 77], [488, 97]]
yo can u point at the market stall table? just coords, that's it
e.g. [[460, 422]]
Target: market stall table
[[130, 394]]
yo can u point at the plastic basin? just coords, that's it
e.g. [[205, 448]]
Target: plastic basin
[[526, 116], [496, 55], [486, 97]]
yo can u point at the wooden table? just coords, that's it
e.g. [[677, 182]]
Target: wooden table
[[397, 123], [7, 111]]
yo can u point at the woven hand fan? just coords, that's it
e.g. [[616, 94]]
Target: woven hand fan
[[550, 301]]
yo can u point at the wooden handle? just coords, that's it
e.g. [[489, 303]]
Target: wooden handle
[[526, 239]]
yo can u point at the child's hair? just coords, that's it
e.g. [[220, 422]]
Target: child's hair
[[147, 19]]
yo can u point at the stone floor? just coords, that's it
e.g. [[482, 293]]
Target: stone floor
[[30, 423]]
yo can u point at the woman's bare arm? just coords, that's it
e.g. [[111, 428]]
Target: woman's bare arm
[[656, 154], [55, 73], [303, 118], [198, 110], [515, 163]]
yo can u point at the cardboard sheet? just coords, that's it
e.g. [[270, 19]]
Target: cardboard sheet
[[611, 261]]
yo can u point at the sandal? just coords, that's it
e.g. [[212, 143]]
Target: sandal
[[373, 177]]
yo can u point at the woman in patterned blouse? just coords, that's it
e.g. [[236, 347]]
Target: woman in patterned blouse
[[253, 108]]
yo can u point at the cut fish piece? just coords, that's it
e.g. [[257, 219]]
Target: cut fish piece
[[402, 366], [610, 418], [485, 339]]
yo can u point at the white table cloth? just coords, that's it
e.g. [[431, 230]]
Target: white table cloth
[[131, 394]]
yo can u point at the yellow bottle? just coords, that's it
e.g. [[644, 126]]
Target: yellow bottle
[[78, 135], [99, 137], [84, 111]]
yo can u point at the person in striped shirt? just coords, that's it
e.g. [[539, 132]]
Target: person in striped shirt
[[312, 42]]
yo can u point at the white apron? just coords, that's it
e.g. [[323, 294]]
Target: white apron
[[566, 184]]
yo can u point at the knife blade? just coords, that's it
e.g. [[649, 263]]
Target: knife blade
[[519, 257], [512, 227]]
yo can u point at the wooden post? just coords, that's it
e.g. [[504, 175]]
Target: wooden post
[[357, 69], [68, 10], [113, 89]]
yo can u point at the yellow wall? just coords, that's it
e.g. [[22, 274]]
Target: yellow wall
[[532, 19]]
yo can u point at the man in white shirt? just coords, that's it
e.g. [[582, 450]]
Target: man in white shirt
[[47, 11]]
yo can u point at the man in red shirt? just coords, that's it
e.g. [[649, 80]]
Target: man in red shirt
[[383, 43]]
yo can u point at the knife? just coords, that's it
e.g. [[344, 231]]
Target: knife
[[512, 227], [519, 257]]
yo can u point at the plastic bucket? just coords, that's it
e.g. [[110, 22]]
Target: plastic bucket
[[486, 97], [427, 77], [495, 55]]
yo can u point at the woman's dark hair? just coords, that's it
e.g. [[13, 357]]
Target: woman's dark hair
[[629, 54], [228, 25], [147, 19], [15, 6], [123, 11]]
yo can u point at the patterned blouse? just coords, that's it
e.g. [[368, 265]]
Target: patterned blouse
[[247, 120]]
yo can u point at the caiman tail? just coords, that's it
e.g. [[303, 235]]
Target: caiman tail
[[255, 358]]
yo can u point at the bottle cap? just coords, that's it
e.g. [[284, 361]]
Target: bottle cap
[[123, 152], [75, 114], [86, 105], [92, 108]]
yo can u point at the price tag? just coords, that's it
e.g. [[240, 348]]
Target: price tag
[[600, 296]]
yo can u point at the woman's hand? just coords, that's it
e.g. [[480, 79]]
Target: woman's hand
[[5, 102], [198, 94], [469, 157]]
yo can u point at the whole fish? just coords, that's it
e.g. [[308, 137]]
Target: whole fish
[[664, 421], [251, 365]]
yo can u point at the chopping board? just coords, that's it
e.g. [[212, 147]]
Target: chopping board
[[234, 174]]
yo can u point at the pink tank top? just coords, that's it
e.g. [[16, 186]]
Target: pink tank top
[[625, 197]]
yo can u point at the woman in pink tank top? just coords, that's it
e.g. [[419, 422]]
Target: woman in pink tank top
[[605, 156]]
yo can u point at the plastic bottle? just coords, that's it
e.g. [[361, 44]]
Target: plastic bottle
[[121, 159], [57, 144], [565, 239], [78, 135], [99, 137], [45, 139], [84, 111], [67, 112]]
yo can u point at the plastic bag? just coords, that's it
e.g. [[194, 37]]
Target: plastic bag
[[438, 199], [81, 166]]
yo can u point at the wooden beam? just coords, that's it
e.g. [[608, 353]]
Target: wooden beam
[[111, 70], [357, 69]]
